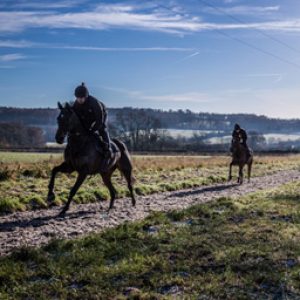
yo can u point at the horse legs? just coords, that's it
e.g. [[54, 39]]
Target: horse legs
[[129, 179], [241, 175], [80, 179], [106, 177], [230, 172], [63, 168], [249, 171], [125, 168]]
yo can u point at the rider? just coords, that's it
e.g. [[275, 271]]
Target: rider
[[240, 134], [93, 115]]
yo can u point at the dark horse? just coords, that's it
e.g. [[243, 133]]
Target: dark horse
[[240, 157], [82, 155]]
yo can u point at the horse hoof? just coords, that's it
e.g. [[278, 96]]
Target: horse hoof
[[109, 209], [51, 204], [62, 214], [50, 197]]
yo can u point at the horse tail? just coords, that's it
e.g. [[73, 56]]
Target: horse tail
[[125, 163]]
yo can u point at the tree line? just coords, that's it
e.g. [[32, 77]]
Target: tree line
[[146, 129], [14, 135]]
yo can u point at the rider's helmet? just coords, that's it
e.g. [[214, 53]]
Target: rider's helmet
[[237, 126], [81, 91]]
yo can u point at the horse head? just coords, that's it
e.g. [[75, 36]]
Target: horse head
[[63, 121]]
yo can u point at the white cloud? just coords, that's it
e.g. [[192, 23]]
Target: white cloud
[[129, 17], [189, 56], [244, 10], [11, 57], [100, 19], [29, 44], [17, 44], [109, 8], [124, 49], [41, 5]]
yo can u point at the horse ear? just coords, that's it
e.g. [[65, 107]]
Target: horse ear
[[59, 105], [68, 107]]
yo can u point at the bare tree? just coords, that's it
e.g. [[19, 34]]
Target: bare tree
[[138, 128]]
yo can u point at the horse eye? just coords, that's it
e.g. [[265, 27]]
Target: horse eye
[[59, 118]]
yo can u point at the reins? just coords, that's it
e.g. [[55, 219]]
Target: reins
[[87, 132]]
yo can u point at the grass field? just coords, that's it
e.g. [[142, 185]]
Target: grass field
[[245, 248], [24, 177], [27, 157]]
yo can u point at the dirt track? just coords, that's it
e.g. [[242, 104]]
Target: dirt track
[[36, 228]]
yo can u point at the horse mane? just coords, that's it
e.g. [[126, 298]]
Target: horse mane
[[69, 106]]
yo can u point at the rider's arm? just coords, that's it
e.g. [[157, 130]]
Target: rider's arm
[[99, 113], [245, 135], [233, 133]]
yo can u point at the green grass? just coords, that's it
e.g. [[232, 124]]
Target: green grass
[[25, 176], [246, 248], [27, 157]]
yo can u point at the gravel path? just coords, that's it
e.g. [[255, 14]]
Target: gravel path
[[35, 228]]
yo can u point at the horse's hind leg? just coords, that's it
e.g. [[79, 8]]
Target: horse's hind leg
[[106, 177], [125, 168], [80, 179], [249, 170], [129, 179], [63, 168]]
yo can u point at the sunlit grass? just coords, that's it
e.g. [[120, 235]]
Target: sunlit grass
[[24, 177]]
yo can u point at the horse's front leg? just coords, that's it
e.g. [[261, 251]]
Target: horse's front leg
[[230, 172], [63, 168], [80, 179]]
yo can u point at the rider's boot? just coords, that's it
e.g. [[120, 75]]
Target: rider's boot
[[107, 157]]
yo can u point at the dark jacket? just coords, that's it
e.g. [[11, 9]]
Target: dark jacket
[[241, 135], [92, 114]]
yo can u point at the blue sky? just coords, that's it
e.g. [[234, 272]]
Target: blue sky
[[225, 56]]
